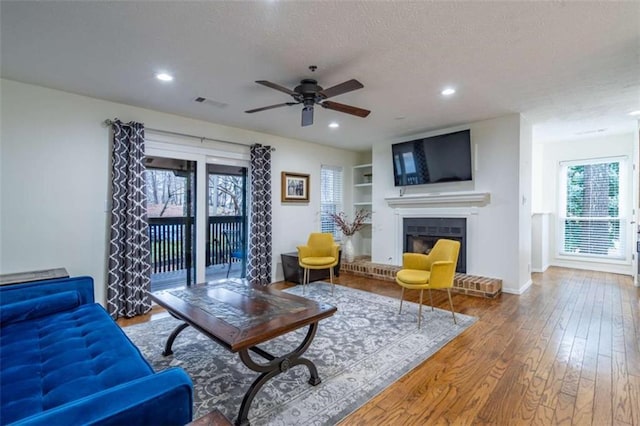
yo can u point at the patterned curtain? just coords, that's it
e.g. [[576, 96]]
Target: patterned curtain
[[129, 269], [259, 259]]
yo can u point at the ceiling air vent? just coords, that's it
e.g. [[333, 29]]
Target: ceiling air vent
[[211, 102]]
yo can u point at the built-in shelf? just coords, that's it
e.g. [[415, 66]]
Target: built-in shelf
[[362, 200], [433, 199]]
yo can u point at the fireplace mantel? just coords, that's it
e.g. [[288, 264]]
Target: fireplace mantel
[[467, 198]]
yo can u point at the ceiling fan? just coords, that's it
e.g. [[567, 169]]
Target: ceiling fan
[[309, 93]]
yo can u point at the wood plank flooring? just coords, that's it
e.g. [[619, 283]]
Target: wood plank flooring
[[565, 352]]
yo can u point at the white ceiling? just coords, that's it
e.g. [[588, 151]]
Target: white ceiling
[[571, 68]]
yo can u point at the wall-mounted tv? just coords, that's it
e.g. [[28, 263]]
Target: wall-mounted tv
[[436, 159]]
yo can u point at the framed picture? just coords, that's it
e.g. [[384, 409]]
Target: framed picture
[[295, 187]]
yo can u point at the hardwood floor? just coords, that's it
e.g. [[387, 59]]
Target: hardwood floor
[[565, 352]]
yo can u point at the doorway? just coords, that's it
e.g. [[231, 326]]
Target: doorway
[[190, 242]]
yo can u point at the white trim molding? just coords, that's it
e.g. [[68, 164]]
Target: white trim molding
[[467, 198], [519, 291]]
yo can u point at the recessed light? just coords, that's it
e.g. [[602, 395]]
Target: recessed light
[[448, 91], [163, 76], [634, 113], [334, 125]]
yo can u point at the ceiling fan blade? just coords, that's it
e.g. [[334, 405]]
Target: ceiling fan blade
[[341, 88], [276, 87], [271, 107], [307, 116], [346, 108]]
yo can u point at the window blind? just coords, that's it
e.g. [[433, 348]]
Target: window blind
[[331, 184], [590, 222]]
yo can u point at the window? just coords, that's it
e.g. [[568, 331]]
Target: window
[[330, 199], [591, 223]]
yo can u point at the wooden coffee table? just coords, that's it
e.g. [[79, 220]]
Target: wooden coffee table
[[239, 317]]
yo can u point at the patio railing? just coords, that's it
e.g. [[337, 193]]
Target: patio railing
[[170, 236]]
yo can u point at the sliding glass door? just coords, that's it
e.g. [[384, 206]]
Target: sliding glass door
[[227, 221], [197, 209], [171, 206]]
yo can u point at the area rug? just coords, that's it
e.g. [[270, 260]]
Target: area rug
[[359, 351]]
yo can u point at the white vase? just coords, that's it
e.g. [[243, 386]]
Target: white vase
[[349, 253]]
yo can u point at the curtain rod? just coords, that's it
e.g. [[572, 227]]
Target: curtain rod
[[109, 122]]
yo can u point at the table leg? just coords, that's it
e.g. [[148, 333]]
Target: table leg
[[167, 347], [274, 367]]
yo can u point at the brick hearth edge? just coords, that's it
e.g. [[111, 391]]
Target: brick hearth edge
[[464, 284]]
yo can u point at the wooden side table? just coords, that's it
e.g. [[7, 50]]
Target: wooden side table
[[41, 275], [294, 273]]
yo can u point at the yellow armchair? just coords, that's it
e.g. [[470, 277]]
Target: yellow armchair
[[321, 252], [426, 271]]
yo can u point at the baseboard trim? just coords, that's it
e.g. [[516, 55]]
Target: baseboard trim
[[519, 291]]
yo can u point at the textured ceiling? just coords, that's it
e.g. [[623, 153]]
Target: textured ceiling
[[571, 68]]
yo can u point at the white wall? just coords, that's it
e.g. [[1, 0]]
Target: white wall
[[497, 241], [524, 204], [546, 186], [635, 267], [537, 175], [539, 242], [1, 179], [54, 178]]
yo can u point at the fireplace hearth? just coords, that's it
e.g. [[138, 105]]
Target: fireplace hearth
[[421, 234]]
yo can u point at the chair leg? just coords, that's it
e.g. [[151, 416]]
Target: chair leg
[[431, 299], [304, 279], [401, 299], [331, 279], [420, 309], [451, 304], [229, 269]]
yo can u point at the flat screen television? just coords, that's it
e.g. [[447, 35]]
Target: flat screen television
[[436, 159]]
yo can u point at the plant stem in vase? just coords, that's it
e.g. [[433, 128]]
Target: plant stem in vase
[[349, 228]]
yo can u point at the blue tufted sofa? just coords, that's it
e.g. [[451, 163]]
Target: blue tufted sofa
[[64, 361]]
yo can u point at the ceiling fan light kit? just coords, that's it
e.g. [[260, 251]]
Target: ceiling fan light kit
[[309, 93]]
